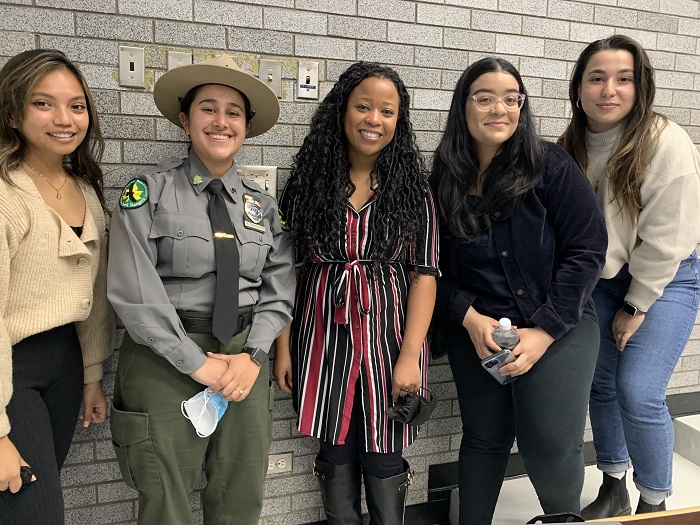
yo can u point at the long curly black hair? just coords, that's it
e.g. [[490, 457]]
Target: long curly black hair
[[320, 180]]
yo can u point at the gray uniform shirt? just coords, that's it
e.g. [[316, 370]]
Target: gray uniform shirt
[[161, 260]]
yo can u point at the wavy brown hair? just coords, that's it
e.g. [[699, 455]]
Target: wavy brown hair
[[638, 136], [18, 78]]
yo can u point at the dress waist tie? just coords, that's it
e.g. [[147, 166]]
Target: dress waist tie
[[353, 278]]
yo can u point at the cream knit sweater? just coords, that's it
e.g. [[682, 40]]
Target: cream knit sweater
[[49, 277], [668, 228]]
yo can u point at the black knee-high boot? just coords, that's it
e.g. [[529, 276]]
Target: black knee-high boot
[[340, 490], [386, 497]]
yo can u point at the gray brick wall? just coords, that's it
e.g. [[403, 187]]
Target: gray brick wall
[[429, 42]]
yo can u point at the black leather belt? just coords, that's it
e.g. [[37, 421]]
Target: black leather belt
[[201, 324]]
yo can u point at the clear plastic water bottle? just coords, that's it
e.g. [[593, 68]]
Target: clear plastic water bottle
[[504, 336]]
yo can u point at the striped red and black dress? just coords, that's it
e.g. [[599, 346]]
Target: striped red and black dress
[[347, 330]]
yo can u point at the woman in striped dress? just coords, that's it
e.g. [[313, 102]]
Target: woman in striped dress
[[365, 235]]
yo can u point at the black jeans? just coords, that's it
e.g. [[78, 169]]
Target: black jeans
[[545, 409], [380, 465], [47, 370]]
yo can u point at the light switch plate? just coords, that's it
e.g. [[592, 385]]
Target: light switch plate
[[270, 72], [178, 58], [265, 176], [307, 80], [132, 67]]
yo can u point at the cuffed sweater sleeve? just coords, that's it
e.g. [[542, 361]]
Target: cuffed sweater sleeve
[[8, 242], [97, 333], [667, 229]]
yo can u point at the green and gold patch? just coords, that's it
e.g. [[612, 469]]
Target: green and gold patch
[[134, 195], [283, 221]]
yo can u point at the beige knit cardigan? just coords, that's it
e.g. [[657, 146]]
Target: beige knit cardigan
[[49, 277]]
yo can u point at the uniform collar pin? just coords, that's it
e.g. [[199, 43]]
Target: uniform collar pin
[[197, 180]]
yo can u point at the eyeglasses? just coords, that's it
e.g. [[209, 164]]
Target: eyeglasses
[[488, 101]]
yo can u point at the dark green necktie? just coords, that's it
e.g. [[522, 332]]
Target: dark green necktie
[[225, 319]]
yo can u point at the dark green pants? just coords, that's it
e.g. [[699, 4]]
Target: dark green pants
[[160, 454]]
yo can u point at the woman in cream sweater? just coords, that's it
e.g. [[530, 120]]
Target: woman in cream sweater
[[645, 171], [56, 327]]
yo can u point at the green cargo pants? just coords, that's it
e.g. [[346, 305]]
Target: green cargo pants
[[160, 454]]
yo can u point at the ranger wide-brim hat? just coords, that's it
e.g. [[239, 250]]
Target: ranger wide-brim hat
[[176, 83]]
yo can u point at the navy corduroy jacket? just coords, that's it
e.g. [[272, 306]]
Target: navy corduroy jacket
[[552, 250]]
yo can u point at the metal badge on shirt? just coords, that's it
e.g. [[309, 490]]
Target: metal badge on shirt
[[253, 212]]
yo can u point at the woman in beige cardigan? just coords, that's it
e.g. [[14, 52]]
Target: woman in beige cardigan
[[645, 171], [56, 327]]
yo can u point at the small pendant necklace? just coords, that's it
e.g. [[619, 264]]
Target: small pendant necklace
[[58, 190], [597, 186]]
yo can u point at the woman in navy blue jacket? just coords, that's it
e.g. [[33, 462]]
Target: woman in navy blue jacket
[[521, 237]]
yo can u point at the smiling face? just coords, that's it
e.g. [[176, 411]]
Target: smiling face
[[216, 126], [490, 129], [607, 89], [370, 119], [56, 119]]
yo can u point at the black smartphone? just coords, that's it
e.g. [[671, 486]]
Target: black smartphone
[[494, 362], [26, 474]]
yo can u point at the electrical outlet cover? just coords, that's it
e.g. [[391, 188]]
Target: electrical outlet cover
[[178, 58], [279, 463]]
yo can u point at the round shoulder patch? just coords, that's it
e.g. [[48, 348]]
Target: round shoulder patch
[[134, 195]]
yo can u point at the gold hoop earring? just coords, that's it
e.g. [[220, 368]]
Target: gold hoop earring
[[578, 103]]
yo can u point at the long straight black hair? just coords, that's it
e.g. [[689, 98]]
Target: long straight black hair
[[513, 171]]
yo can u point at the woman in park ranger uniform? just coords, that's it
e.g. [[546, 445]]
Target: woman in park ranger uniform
[[202, 279]]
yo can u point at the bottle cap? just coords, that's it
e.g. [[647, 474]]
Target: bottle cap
[[504, 323]]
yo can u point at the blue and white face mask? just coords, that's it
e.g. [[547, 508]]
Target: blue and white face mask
[[205, 410]]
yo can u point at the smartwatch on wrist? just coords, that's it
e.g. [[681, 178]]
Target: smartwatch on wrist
[[256, 354], [630, 309]]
